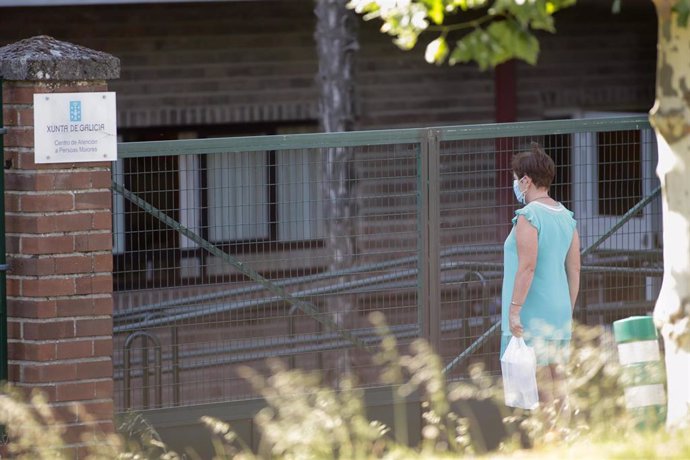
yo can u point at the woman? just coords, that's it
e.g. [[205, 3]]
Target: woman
[[541, 272]]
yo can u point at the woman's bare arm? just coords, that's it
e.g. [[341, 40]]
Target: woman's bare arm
[[572, 268], [527, 248]]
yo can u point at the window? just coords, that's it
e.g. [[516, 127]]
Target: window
[[243, 202]]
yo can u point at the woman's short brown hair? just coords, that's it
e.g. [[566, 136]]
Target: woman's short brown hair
[[536, 164]]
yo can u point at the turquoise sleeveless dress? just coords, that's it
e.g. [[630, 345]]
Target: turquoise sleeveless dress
[[546, 314]]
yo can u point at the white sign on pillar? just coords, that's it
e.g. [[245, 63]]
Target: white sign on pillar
[[75, 127]]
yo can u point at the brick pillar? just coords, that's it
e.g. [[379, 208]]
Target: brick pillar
[[59, 238]]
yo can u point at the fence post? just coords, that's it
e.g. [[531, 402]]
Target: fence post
[[59, 243], [430, 245]]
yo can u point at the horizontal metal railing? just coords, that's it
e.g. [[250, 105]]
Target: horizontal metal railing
[[374, 137]]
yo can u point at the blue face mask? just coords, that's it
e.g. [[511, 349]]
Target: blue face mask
[[519, 194]]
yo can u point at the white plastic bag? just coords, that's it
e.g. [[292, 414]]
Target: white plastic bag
[[519, 369]]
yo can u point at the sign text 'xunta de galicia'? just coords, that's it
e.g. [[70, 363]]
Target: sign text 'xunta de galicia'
[[75, 127]]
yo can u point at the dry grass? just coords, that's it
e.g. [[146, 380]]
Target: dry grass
[[305, 419]]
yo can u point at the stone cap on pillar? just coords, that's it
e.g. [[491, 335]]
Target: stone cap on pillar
[[43, 58]]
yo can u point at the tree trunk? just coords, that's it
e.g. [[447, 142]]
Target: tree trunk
[[336, 40], [670, 117]]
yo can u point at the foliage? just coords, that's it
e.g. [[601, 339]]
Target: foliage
[[33, 431], [682, 9], [31, 427], [489, 33], [304, 419]]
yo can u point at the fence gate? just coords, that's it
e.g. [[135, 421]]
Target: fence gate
[[230, 251]]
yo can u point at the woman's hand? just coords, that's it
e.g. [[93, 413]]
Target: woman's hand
[[514, 320]]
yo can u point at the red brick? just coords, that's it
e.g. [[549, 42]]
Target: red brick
[[53, 372], [66, 413], [31, 351], [94, 327], [102, 179], [34, 266], [73, 265], [18, 94], [12, 244], [74, 349], [103, 262], [47, 203], [31, 308], [12, 202], [21, 224], [24, 266], [14, 373], [102, 220], [19, 137], [103, 305], [85, 306], [104, 389], [25, 116], [12, 158], [74, 391], [72, 222], [94, 284], [14, 329], [54, 244], [73, 180], [93, 200], [80, 391], [81, 180], [103, 347], [25, 160], [14, 285], [94, 242], [94, 369], [20, 181], [48, 330], [47, 390], [44, 181], [10, 115], [96, 410], [47, 287], [45, 265]]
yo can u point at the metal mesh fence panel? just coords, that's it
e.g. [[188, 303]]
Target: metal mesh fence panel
[[288, 275]]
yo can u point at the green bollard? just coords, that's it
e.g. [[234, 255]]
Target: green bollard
[[643, 374]]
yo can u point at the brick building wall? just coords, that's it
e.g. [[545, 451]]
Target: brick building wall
[[238, 63]]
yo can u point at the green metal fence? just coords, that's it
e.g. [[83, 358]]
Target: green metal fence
[[229, 251]]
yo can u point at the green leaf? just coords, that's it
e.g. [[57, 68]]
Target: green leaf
[[500, 42], [529, 13], [616, 7], [682, 9], [479, 46], [515, 40]]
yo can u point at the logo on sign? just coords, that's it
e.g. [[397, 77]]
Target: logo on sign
[[74, 110]]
